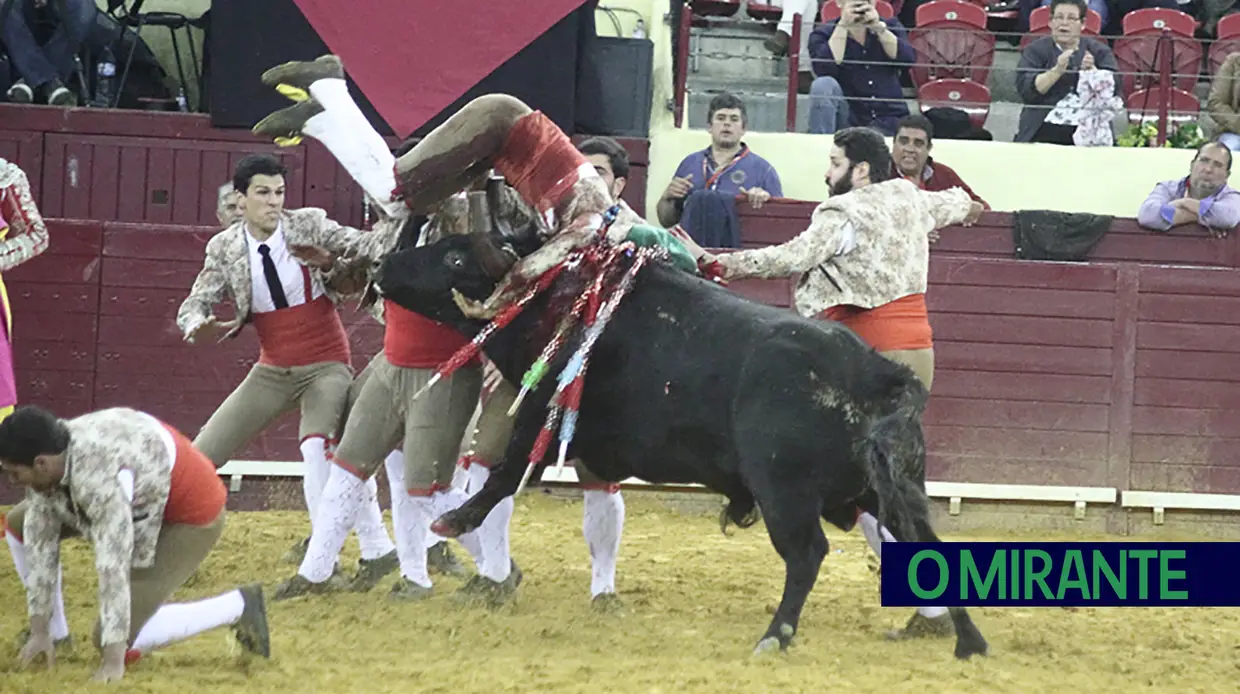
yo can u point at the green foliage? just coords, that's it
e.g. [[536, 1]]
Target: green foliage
[[1186, 136]]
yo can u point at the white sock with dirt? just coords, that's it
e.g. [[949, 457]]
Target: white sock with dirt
[[372, 534], [411, 518], [58, 628], [342, 499], [869, 527], [178, 621], [314, 476], [473, 542], [493, 533], [344, 130], [602, 524]]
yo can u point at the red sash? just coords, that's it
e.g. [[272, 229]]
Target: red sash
[[896, 325], [413, 341], [310, 333], [196, 495]]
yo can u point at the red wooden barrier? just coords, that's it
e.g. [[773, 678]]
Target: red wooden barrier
[[136, 166], [1108, 373]]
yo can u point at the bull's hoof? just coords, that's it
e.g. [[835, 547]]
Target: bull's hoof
[[303, 73], [776, 642], [286, 124], [970, 642], [455, 523]]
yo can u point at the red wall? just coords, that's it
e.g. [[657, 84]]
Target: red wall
[[1118, 372], [165, 168]]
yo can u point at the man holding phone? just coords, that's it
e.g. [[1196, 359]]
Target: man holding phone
[[857, 61]]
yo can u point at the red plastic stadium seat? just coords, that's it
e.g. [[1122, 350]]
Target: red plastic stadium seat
[[761, 11], [1136, 52], [1226, 43], [951, 42], [1143, 105], [966, 95]]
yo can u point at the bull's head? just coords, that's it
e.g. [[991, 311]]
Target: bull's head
[[422, 279]]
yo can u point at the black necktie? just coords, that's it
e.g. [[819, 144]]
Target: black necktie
[[273, 277]]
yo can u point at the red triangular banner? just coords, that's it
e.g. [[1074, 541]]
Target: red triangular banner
[[413, 58]]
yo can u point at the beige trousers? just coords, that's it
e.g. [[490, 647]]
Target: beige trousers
[[321, 390], [383, 412], [178, 552], [921, 361]]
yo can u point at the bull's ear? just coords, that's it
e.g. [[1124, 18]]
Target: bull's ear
[[495, 261]]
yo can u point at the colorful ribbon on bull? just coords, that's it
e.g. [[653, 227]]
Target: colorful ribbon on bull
[[589, 310]]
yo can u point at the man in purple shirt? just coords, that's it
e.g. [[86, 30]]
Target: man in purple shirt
[[1203, 197], [858, 57], [701, 196]]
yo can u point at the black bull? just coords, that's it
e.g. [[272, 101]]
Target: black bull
[[691, 383]]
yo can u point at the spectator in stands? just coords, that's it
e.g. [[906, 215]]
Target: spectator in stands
[[1223, 104], [227, 205], [1048, 71], [910, 158], [44, 69], [610, 159], [702, 194], [857, 59], [1203, 197]]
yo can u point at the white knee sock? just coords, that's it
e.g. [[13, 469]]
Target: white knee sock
[[411, 520], [372, 534], [58, 628], [602, 524], [338, 508], [314, 453], [178, 621], [869, 527], [493, 533], [346, 133], [472, 541]]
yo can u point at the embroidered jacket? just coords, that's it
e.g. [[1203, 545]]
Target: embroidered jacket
[[91, 499], [866, 248], [226, 269], [27, 236]]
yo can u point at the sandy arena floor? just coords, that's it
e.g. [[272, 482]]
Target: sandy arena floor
[[695, 603]]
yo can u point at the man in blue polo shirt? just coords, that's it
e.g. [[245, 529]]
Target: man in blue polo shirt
[[702, 194], [857, 61]]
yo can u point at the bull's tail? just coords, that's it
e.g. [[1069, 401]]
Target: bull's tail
[[895, 452]]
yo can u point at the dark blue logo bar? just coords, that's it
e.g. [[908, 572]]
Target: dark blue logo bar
[[1061, 574]]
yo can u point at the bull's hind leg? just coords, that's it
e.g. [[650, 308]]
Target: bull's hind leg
[[969, 639], [791, 516]]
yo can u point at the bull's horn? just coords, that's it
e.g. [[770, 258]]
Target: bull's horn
[[495, 261]]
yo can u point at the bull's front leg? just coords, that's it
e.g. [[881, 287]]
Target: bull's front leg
[[506, 474]]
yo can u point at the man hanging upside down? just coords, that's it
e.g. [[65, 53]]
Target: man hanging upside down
[[493, 131]]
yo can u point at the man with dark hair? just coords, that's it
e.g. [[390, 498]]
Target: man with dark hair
[[1202, 197], [857, 61], [152, 506], [701, 196], [304, 356], [1049, 68], [910, 153], [864, 261], [610, 160]]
